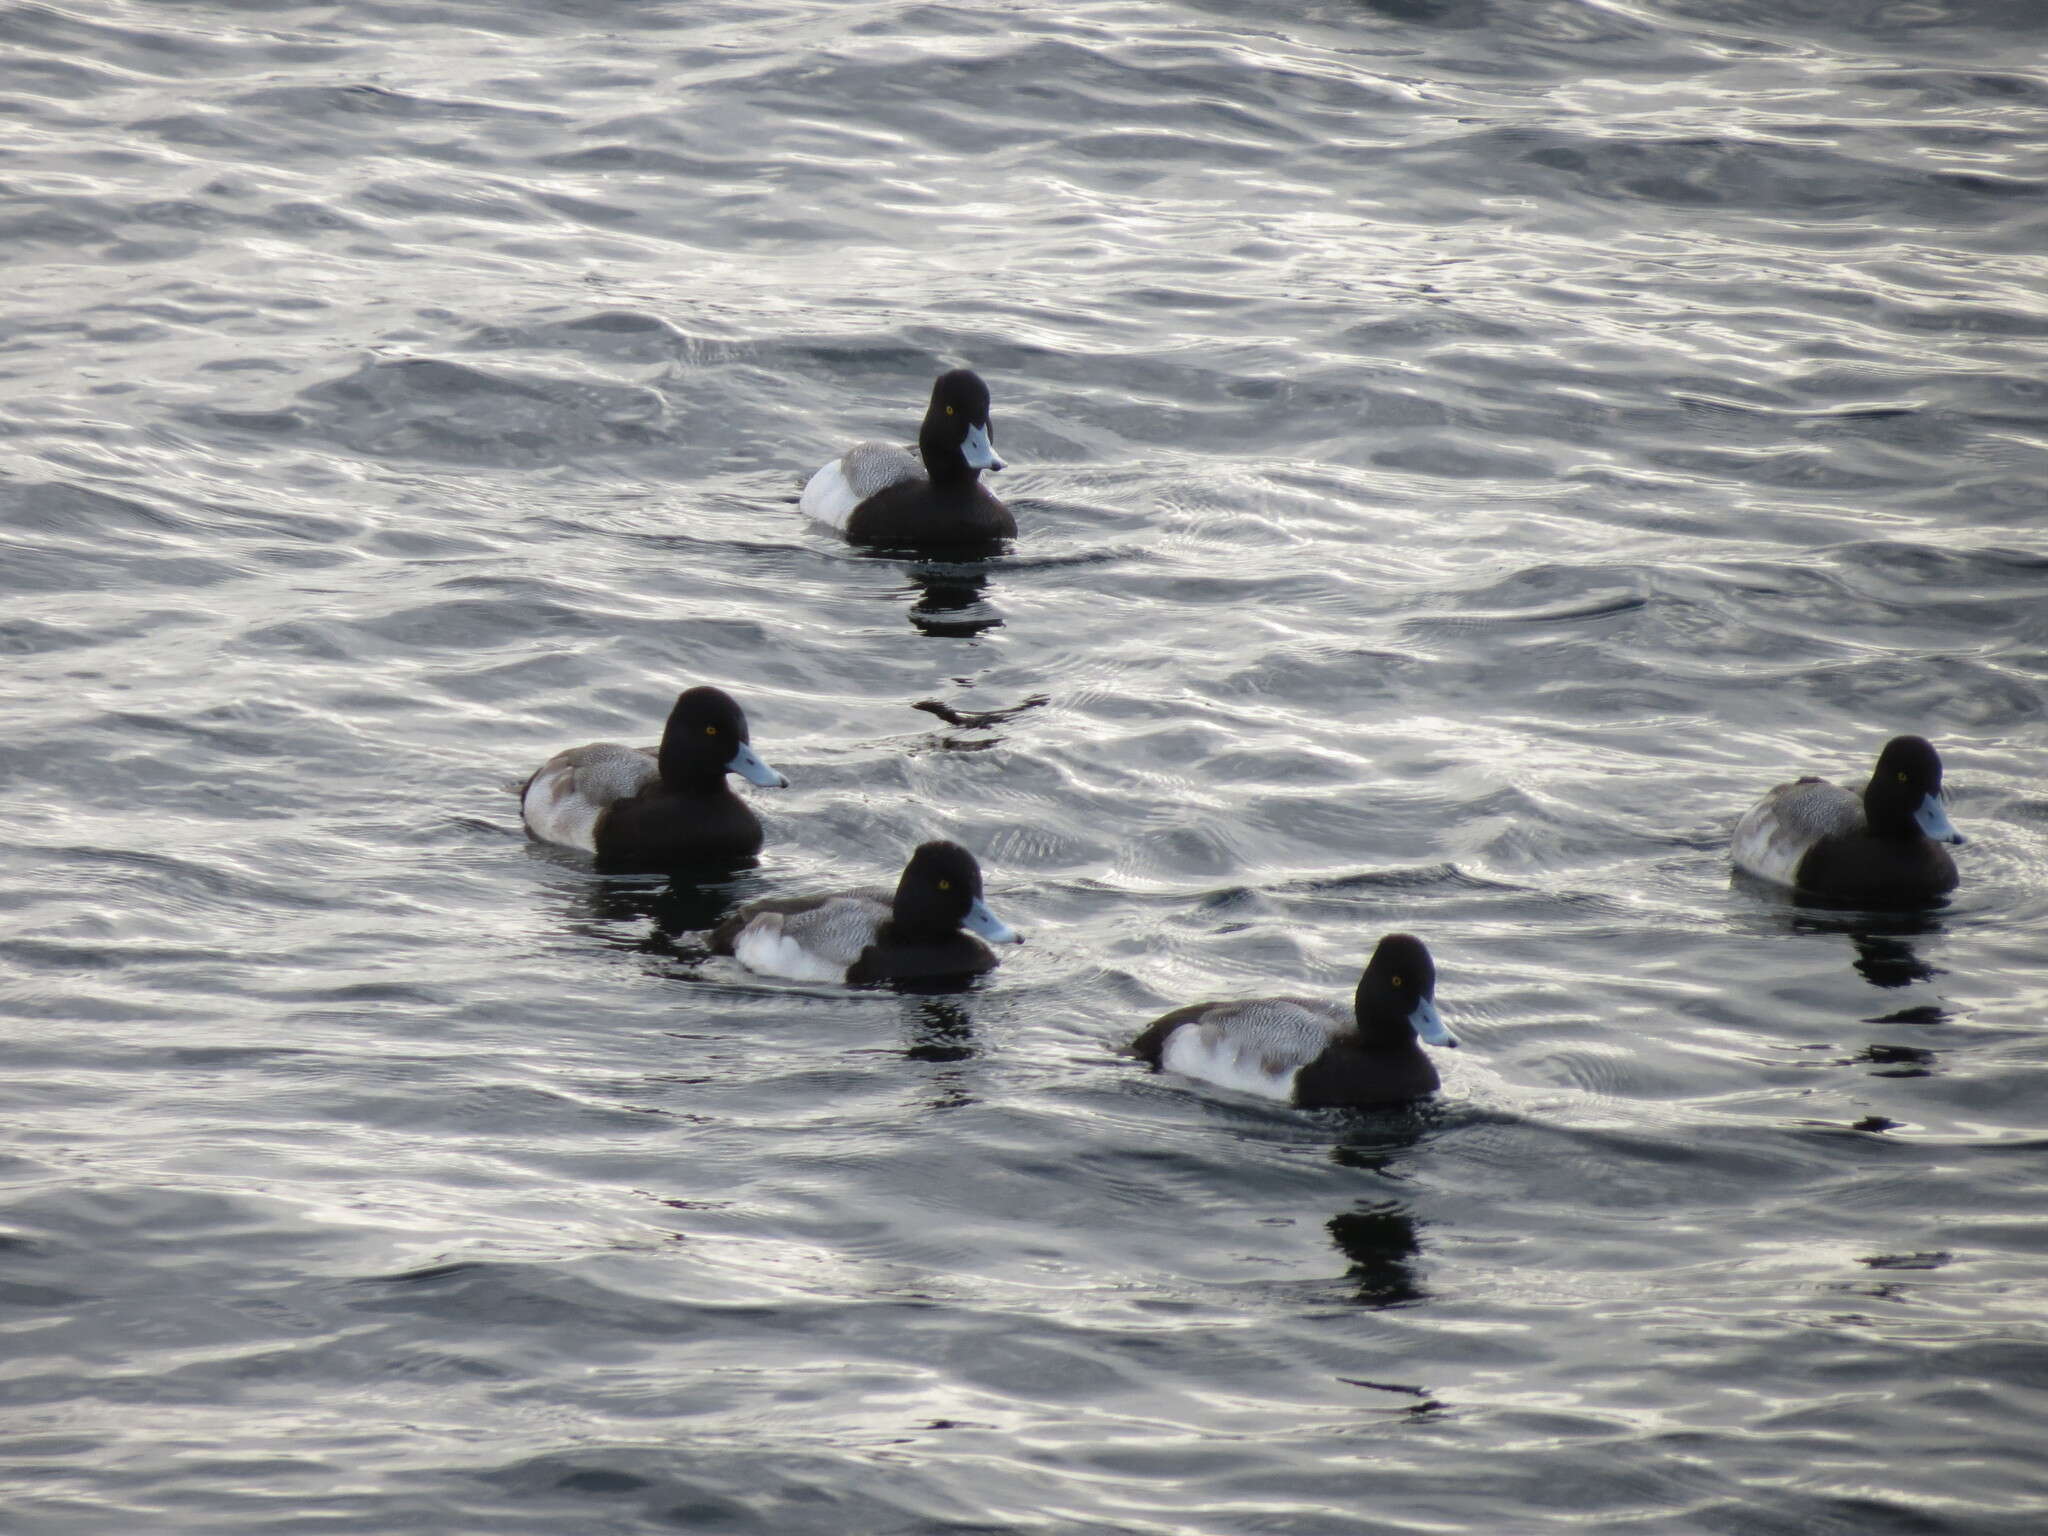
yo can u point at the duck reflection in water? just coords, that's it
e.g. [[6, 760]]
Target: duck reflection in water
[[1887, 959], [975, 720], [1379, 1236], [939, 1032], [952, 600], [1885, 956], [1379, 1239], [663, 908]]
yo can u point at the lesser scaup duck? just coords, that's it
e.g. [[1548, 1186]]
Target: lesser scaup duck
[[1881, 848], [869, 935], [1313, 1054], [655, 810], [877, 493]]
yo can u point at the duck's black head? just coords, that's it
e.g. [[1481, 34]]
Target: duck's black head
[[1397, 994], [940, 893], [705, 739], [1903, 798], [956, 440]]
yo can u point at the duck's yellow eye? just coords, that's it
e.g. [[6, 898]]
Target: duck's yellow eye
[[1395, 980], [945, 885], [949, 410], [710, 730], [1902, 778]]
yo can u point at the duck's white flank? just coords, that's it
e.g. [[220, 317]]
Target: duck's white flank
[[573, 789], [1779, 829], [766, 950], [1253, 1047], [818, 942], [850, 479]]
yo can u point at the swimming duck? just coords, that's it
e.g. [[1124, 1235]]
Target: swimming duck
[[1314, 1054], [869, 935], [637, 809], [877, 493], [1882, 848]]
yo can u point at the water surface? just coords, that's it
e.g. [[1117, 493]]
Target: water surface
[[1465, 452]]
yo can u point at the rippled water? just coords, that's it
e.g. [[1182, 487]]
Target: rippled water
[[1465, 451]]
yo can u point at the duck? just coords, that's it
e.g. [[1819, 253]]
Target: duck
[[878, 493], [1880, 848], [643, 810], [933, 925], [1314, 1054]]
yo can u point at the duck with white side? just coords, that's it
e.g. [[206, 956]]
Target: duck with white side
[[933, 925], [1880, 848], [878, 493], [1310, 1053], [670, 807]]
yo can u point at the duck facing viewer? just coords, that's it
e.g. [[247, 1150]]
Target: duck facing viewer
[[877, 493], [1880, 848], [637, 809]]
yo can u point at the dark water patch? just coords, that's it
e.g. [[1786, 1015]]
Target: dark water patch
[[1955, 87], [1909, 1261], [451, 412], [266, 422], [139, 871], [56, 510], [626, 333], [1829, 22], [202, 129], [730, 1486], [1897, 1060], [166, 51], [339, 105]]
